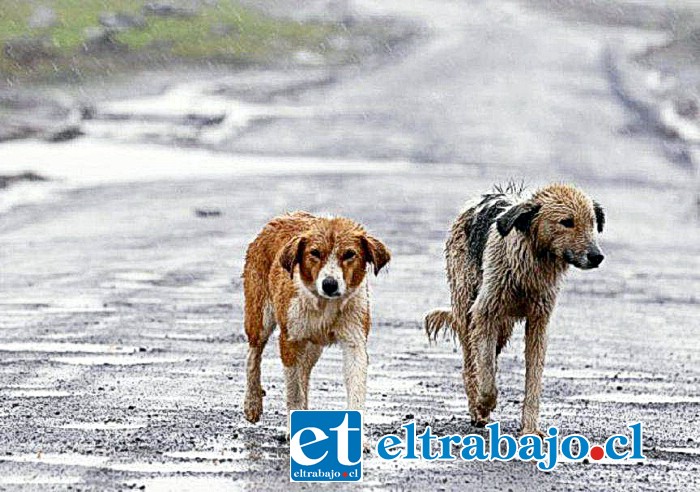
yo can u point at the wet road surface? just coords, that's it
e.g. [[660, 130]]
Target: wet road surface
[[122, 352]]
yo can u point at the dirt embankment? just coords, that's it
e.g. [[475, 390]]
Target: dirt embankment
[[10, 179], [56, 61], [660, 80]]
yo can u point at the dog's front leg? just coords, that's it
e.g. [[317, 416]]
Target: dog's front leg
[[355, 362], [535, 349]]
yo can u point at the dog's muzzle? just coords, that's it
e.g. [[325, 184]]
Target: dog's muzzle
[[591, 258]]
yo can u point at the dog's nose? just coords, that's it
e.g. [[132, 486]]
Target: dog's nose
[[595, 258], [329, 286]]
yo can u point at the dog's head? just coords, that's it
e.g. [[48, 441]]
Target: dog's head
[[333, 257], [560, 220]]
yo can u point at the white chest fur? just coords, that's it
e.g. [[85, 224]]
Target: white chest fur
[[325, 320]]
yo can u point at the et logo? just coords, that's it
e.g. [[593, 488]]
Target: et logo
[[325, 446]]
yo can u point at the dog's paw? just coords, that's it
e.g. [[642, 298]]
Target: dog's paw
[[532, 431], [487, 401], [252, 408], [485, 404], [480, 418]]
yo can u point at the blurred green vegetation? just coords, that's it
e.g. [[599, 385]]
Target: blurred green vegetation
[[224, 31]]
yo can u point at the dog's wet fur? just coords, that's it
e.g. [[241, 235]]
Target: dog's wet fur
[[506, 255], [307, 275]]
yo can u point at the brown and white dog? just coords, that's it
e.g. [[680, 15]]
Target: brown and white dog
[[506, 255], [307, 275]]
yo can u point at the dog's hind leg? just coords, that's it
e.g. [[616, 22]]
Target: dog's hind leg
[[504, 338], [469, 372], [259, 324], [484, 337]]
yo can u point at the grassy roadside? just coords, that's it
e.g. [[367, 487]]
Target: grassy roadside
[[222, 31]]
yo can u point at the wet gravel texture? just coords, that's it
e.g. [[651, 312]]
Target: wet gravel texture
[[121, 341]]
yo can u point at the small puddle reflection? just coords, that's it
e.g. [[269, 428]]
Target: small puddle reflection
[[99, 426], [34, 393], [66, 348], [641, 399], [181, 467], [173, 484], [114, 360], [691, 451], [38, 480], [57, 459]]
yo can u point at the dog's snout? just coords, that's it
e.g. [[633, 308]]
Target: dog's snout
[[330, 286], [595, 257]]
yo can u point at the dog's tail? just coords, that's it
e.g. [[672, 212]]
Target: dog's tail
[[439, 320]]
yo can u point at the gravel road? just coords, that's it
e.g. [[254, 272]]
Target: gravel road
[[121, 341]]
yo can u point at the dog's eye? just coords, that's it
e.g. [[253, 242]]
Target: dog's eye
[[348, 255], [315, 253], [567, 222]]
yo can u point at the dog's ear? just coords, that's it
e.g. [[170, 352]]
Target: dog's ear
[[292, 253], [599, 215], [519, 216], [376, 252]]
